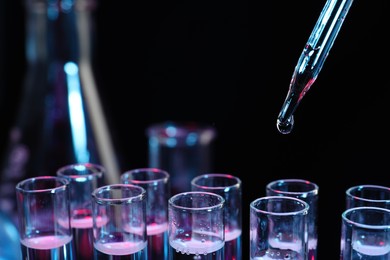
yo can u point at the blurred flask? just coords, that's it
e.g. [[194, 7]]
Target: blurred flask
[[60, 119], [182, 149]]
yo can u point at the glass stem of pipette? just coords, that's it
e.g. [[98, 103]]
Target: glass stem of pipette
[[312, 59]]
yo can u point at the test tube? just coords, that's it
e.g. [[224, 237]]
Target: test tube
[[156, 183]]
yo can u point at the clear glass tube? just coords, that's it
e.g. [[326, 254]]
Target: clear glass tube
[[365, 233], [308, 192], [44, 218], [119, 222], [229, 187], [83, 179], [196, 226], [278, 228], [368, 195], [157, 185]]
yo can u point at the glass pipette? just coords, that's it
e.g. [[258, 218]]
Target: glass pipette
[[312, 59]]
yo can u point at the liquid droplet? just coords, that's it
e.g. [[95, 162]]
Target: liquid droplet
[[287, 126]]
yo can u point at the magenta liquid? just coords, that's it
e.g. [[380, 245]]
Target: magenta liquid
[[157, 241], [233, 250], [121, 251], [48, 248], [82, 230], [192, 249], [312, 248], [82, 237]]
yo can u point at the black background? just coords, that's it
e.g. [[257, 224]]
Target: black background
[[228, 64]]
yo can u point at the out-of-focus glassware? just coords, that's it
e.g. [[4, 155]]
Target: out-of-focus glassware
[[83, 179], [156, 183], [229, 187], [182, 149], [44, 218], [60, 119], [119, 222], [196, 226]]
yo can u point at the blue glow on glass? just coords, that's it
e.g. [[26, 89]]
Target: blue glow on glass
[[81, 179], [153, 142], [76, 111], [171, 142], [80, 167], [171, 131], [192, 139], [66, 5], [52, 9]]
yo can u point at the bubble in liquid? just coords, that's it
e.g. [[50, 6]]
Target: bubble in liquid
[[285, 127]]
